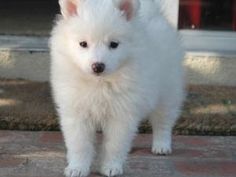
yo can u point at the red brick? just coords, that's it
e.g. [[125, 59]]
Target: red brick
[[51, 137], [183, 153], [4, 133], [197, 153], [143, 140], [207, 168], [218, 153], [141, 151], [5, 137], [138, 166], [9, 162], [193, 140], [16, 137]]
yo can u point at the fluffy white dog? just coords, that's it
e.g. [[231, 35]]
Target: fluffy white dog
[[114, 62]]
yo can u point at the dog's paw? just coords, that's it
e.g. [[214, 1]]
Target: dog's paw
[[76, 172], [161, 148], [112, 169]]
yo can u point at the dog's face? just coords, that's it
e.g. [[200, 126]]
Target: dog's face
[[99, 33]]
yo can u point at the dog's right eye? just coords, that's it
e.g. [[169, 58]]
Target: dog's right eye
[[83, 44], [113, 45]]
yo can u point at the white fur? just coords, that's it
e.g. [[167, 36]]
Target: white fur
[[143, 77]]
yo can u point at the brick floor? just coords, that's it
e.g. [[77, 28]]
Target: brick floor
[[42, 154]]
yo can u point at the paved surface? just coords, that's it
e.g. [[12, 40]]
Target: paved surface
[[42, 154]]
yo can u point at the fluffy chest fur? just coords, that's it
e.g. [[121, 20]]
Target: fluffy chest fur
[[100, 99]]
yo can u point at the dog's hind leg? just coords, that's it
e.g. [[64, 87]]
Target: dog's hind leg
[[163, 120]]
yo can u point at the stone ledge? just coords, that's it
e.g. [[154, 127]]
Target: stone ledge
[[28, 58]]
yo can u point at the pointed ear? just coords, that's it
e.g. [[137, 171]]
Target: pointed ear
[[129, 8], [69, 7]]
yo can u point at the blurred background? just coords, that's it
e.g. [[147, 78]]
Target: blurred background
[[207, 15], [27, 17], [207, 30], [34, 17]]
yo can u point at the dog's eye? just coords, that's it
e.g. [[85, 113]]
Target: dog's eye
[[113, 45], [83, 44]]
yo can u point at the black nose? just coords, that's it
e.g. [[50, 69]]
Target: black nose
[[98, 67]]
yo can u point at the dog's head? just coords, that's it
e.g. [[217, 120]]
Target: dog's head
[[99, 35]]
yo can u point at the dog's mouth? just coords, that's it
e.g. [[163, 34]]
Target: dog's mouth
[[97, 74], [101, 74]]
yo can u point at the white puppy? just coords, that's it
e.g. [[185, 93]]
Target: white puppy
[[114, 62]]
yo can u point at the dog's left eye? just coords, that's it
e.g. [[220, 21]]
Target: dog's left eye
[[113, 45], [83, 44]]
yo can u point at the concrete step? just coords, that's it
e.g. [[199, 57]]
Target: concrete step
[[24, 57], [27, 57], [31, 154]]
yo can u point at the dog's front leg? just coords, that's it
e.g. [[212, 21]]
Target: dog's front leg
[[79, 137], [118, 136]]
